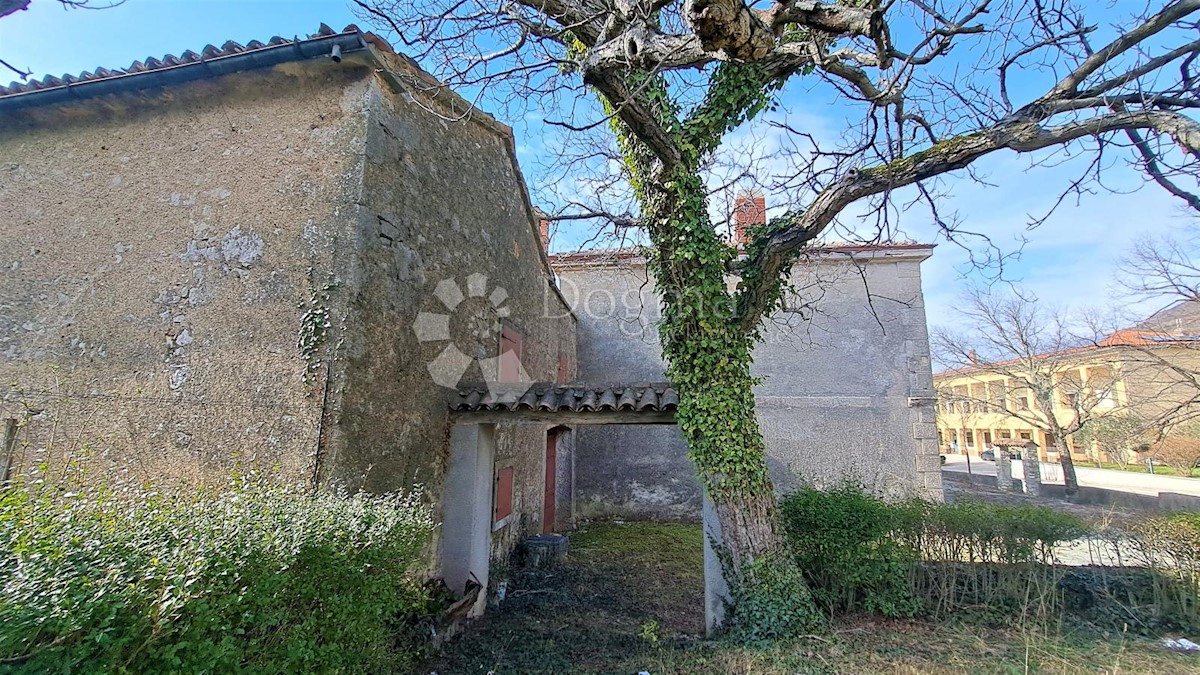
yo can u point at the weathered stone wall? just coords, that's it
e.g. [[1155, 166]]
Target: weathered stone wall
[[156, 272], [227, 275], [843, 394], [847, 394], [636, 470], [443, 210]]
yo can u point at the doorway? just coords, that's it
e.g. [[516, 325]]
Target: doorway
[[468, 511], [550, 501]]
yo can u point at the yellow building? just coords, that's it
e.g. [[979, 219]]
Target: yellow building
[[977, 409], [1151, 371]]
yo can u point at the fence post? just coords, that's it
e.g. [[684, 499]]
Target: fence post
[[1004, 482], [1031, 467]]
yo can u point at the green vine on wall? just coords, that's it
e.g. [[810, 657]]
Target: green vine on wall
[[314, 325], [759, 236]]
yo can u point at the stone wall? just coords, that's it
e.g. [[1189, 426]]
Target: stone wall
[[227, 276], [443, 210], [156, 273], [844, 394]]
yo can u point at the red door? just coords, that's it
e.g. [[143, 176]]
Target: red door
[[551, 485]]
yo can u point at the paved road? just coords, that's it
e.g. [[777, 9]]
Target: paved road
[[1125, 481]]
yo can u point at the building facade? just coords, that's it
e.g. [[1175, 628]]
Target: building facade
[[1144, 373], [971, 405], [288, 257], [846, 391]]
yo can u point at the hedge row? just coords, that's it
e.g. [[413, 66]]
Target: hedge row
[[860, 553]]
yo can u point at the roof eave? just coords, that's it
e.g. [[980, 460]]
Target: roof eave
[[266, 57]]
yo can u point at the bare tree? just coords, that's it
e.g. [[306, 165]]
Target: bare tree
[[1180, 452], [1027, 362], [1162, 267], [934, 84], [1165, 268], [1118, 437], [8, 7]]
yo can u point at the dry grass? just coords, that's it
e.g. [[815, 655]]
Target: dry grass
[[631, 599]]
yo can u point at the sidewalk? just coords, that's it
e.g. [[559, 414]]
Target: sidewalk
[[1109, 479]]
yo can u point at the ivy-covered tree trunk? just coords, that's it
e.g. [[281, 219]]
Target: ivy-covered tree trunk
[[708, 346], [709, 357], [717, 418]]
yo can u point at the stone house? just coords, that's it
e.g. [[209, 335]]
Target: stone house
[[291, 257], [846, 391], [216, 262]]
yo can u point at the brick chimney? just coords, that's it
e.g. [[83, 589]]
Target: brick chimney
[[749, 210], [543, 227]]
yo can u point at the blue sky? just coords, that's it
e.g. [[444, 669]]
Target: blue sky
[[1070, 260]]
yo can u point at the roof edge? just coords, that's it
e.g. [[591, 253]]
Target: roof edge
[[332, 46], [637, 255]]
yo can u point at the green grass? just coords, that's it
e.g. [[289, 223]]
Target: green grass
[[630, 599], [1140, 467], [870, 647]]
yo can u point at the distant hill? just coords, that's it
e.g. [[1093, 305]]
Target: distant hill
[[1181, 318]]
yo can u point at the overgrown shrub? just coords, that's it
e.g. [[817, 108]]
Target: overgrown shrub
[[1170, 546], [969, 531], [250, 577], [996, 556], [860, 553], [852, 549]]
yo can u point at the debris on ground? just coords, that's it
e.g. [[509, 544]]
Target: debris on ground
[[1181, 645]]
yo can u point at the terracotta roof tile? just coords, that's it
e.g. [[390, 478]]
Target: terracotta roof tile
[[229, 48], [644, 397]]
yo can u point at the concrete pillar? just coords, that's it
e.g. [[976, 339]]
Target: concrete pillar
[[716, 590], [467, 510], [1032, 470], [1004, 482]]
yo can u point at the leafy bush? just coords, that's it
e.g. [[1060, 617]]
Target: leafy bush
[[861, 553], [1170, 545], [996, 556], [851, 549], [968, 531], [250, 577]]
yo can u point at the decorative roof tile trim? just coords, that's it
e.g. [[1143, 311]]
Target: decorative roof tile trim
[[642, 397], [151, 64]]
